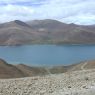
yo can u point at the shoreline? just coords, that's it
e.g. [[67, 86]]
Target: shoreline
[[18, 45]]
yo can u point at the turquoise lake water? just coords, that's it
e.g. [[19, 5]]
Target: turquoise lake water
[[47, 54]]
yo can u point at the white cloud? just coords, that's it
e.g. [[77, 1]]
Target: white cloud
[[69, 11], [12, 12], [19, 1], [86, 19]]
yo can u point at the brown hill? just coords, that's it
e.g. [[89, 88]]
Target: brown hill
[[90, 65], [16, 33], [21, 70], [32, 71], [9, 71], [45, 31], [82, 66], [58, 32]]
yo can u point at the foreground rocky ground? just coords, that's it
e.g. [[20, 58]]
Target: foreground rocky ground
[[70, 83]]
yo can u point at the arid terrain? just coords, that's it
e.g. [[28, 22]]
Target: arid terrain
[[80, 82], [45, 32], [76, 79], [21, 70]]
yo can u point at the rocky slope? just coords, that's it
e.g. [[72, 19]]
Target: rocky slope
[[45, 31], [72, 83]]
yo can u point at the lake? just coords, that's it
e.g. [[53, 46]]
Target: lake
[[46, 55]]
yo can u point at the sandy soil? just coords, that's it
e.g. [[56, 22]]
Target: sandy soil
[[71, 83]]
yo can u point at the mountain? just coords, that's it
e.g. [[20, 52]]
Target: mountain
[[58, 32], [16, 33], [45, 31]]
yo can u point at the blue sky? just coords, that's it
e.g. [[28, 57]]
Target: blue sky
[[68, 11]]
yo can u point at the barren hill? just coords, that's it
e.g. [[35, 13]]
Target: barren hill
[[9, 71], [87, 65], [45, 31], [31, 71], [21, 70], [58, 32]]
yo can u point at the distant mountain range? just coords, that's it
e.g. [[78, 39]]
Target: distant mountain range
[[45, 32], [21, 70]]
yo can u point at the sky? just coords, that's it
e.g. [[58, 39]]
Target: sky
[[67, 11]]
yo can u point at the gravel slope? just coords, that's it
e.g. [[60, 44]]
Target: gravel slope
[[71, 83]]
